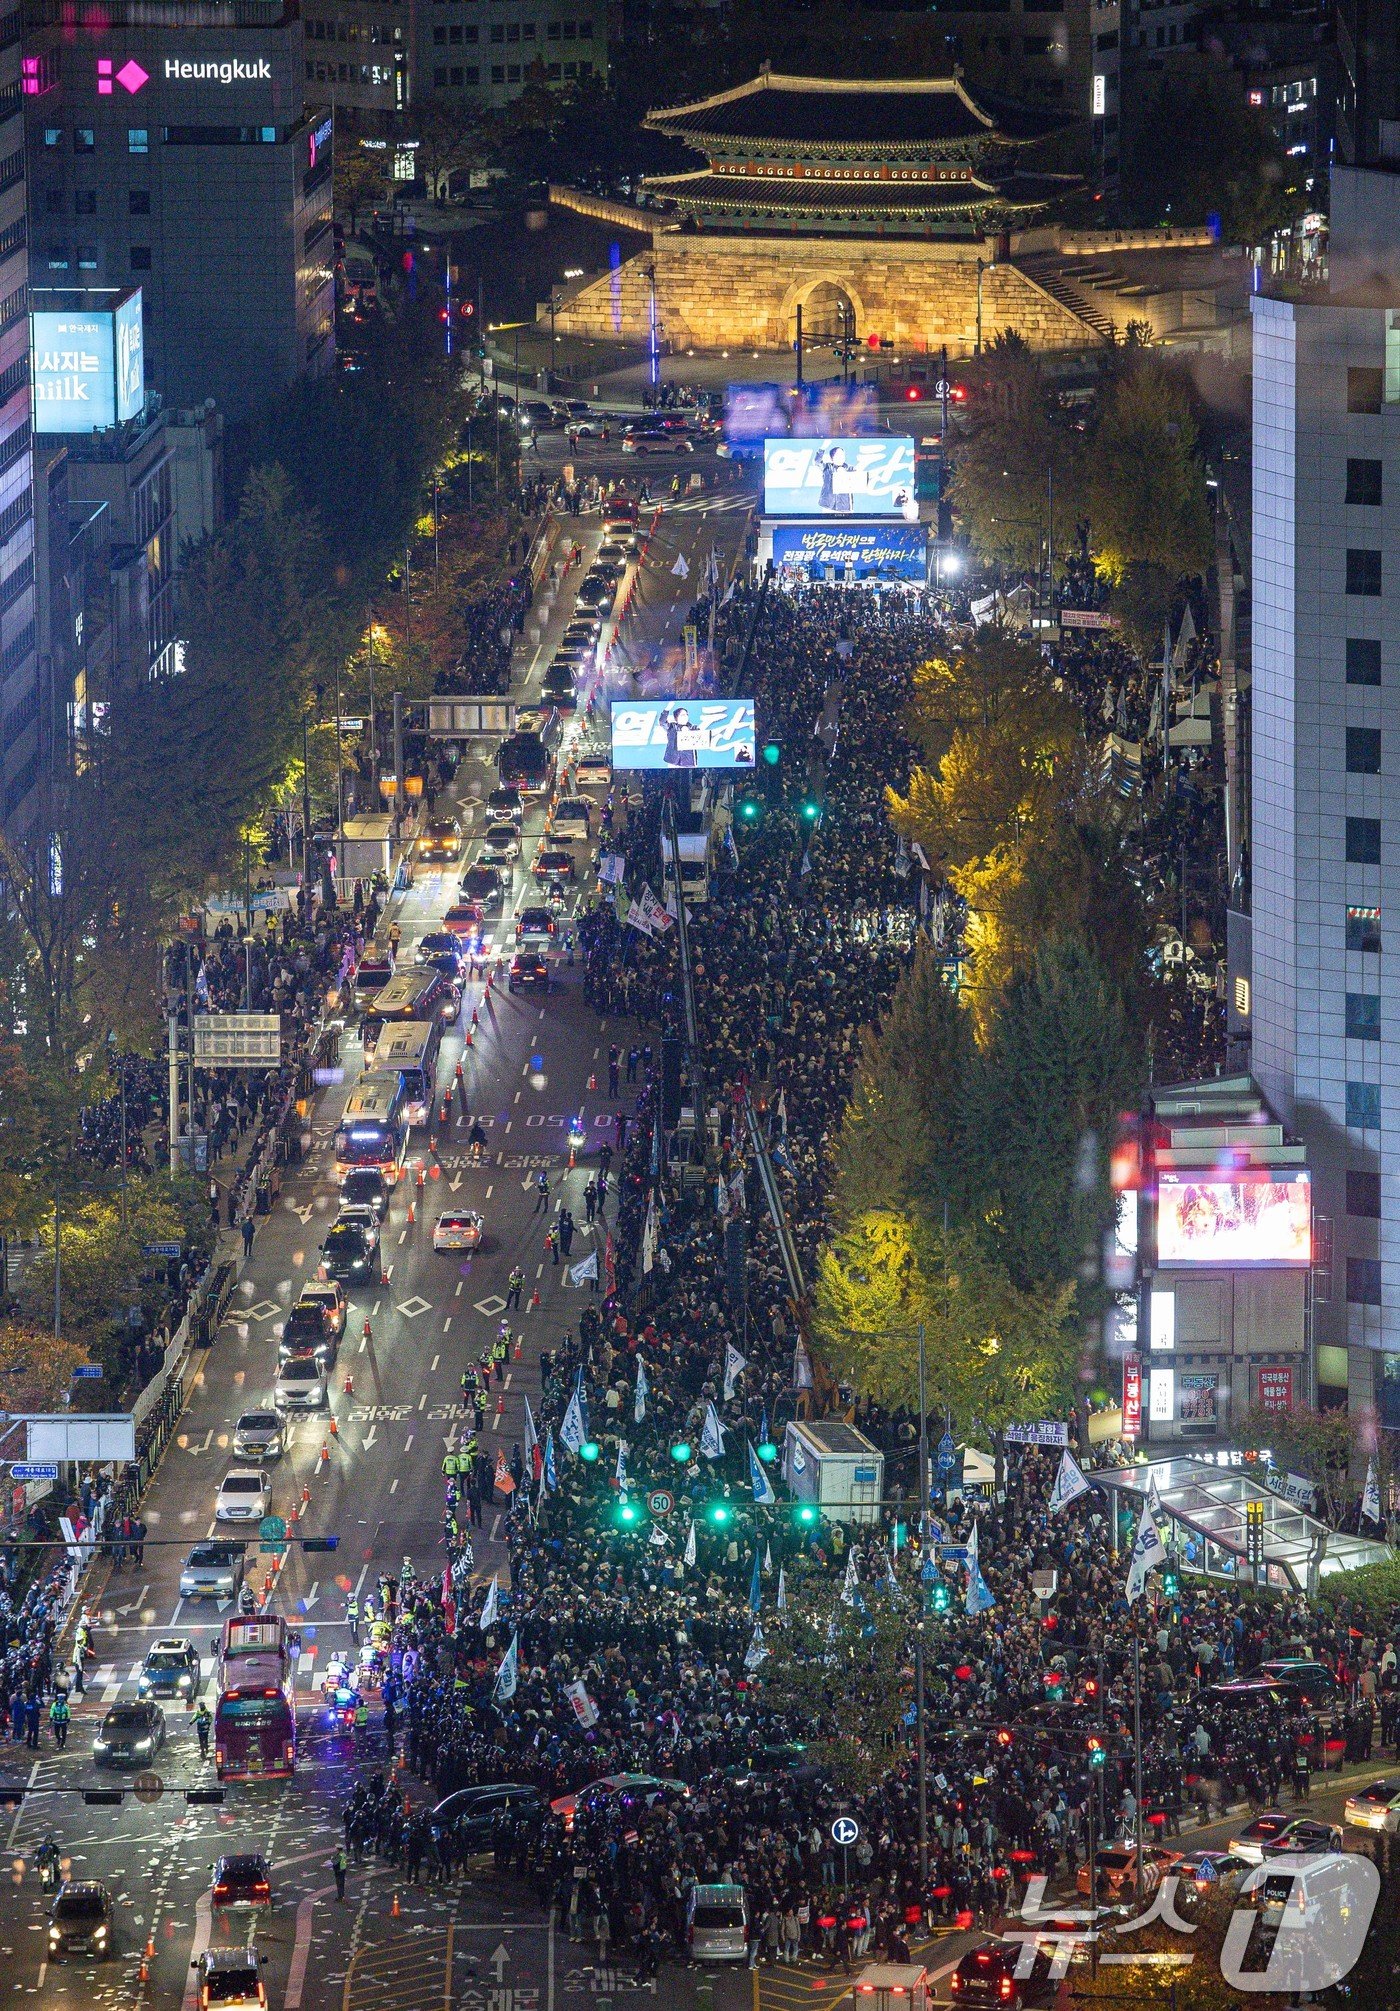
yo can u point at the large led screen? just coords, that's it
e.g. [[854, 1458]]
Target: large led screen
[[1214, 1221], [884, 551], [664, 735], [87, 367], [839, 478]]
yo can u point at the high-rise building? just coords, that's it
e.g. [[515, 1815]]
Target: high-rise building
[[25, 731], [1368, 94], [172, 147], [1323, 995]]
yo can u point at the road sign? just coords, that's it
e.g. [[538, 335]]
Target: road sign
[[660, 1502], [947, 1453], [148, 1787], [272, 1534], [33, 1470], [845, 1831], [87, 1371], [160, 1249], [238, 1039], [351, 725]]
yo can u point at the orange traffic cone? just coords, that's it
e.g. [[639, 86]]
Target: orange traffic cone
[[368, 1335], [325, 1452], [306, 1494], [335, 1429], [349, 1384], [592, 1082], [534, 1298], [519, 1346], [394, 1909], [469, 1041], [501, 1405]]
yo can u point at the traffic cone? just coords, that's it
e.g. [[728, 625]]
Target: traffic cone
[[432, 1140], [458, 1072], [368, 1335], [150, 1946], [335, 1429], [592, 1082], [325, 1452], [435, 1173], [349, 1384], [519, 1346], [469, 1041], [534, 1299], [501, 1405], [306, 1494], [394, 1909], [410, 1214]]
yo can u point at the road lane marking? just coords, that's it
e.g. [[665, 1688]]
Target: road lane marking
[[432, 1366], [447, 1324], [489, 1185], [393, 1487], [202, 1929]]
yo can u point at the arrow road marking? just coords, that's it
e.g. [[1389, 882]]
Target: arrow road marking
[[139, 1600], [369, 1438], [499, 1959], [310, 1600], [455, 1182], [208, 1440]]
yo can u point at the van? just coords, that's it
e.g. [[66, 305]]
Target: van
[[717, 1920]]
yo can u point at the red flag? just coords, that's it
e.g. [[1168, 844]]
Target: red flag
[[449, 1604], [504, 1482]]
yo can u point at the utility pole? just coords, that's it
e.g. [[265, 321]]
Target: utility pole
[[407, 594], [306, 811], [1137, 1770], [57, 1267], [919, 1631], [339, 785], [398, 765], [173, 1059], [373, 715], [248, 937], [799, 345]]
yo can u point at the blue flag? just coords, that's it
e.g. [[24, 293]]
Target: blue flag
[[639, 1401], [508, 1675], [755, 1586], [550, 1475], [763, 1495], [574, 1430], [712, 1435]]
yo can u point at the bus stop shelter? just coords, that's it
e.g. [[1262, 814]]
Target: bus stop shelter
[[1209, 1506]]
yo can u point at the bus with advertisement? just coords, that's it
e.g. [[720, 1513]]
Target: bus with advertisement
[[255, 1720], [410, 1051], [409, 995], [247, 1635], [373, 1131]]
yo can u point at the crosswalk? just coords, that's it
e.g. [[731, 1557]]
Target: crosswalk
[[696, 504]]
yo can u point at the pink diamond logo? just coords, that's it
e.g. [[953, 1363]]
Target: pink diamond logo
[[131, 76]]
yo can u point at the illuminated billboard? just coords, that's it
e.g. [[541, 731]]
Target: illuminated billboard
[[664, 736], [883, 551], [840, 478], [820, 411], [1242, 1221], [88, 364]]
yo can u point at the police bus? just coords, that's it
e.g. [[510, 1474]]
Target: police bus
[[409, 1050], [374, 1128], [408, 998]]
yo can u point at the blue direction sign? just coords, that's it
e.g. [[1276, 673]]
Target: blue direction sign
[[947, 1453], [30, 1470], [87, 1371], [845, 1831], [160, 1249]]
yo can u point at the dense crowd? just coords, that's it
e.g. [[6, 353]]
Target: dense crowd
[[653, 1647]]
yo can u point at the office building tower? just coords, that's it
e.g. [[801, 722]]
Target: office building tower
[[1368, 94], [172, 148], [25, 731]]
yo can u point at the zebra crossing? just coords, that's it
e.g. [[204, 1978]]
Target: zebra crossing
[[696, 504]]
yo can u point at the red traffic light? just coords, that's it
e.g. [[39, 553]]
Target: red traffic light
[[913, 392]]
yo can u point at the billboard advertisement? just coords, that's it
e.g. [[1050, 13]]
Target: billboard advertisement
[[1132, 1396], [757, 412], [880, 551], [663, 736], [1240, 1221], [840, 478], [88, 366]]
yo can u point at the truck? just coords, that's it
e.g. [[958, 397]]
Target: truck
[[834, 1468]]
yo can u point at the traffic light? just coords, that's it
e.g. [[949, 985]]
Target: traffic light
[[589, 1450], [629, 1514], [768, 1452], [811, 810], [1003, 1737], [1170, 1584], [750, 810], [1098, 1755], [320, 1543], [772, 752], [941, 1598], [719, 1514], [680, 1452], [806, 1515]]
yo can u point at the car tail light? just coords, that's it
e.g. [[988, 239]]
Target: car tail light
[[218, 1756], [1007, 1987], [955, 1983]]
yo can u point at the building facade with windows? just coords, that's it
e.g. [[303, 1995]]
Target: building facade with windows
[[25, 732], [171, 147], [1324, 1005], [376, 58]]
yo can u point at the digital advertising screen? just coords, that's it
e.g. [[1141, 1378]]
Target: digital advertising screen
[[1214, 1221], [885, 551], [840, 478], [667, 737], [757, 412], [87, 366]]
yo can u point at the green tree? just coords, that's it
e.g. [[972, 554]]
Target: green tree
[[36, 1371], [361, 178], [1194, 149], [842, 1672], [1148, 515], [1057, 1073], [1320, 1446], [1017, 473]]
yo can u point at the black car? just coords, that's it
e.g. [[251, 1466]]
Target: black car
[[560, 692], [349, 1256], [529, 972], [471, 1813], [442, 839], [364, 1187], [990, 1974], [506, 803], [129, 1736], [80, 1920], [171, 1669], [483, 884], [242, 1880], [308, 1331]]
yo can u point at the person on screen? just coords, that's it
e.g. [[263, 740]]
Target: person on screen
[[683, 739], [836, 475]]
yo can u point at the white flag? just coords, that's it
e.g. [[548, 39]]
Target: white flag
[[508, 1675], [637, 919], [851, 1583], [649, 1235], [734, 1366], [712, 1435], [492, 1605], [782, 1590], [801, 1368], [681, 568], [532, 1437], [571, 1430], [1148, 1550], [639, 1401], [1069, 1484], [584, 1708], [1371, 1496], [659, 1537], [688, 1554], [756, 1652], [622, 1464], [581, 1273]]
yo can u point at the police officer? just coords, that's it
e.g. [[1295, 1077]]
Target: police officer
[[352, 1614], [451, 1465], [59, 1718], [541, 1192], [203, 1725], [340, 1864]]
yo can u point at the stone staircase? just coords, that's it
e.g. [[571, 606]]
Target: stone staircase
[[1047, 271]]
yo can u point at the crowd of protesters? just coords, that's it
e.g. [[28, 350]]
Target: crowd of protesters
[[652, 1645]]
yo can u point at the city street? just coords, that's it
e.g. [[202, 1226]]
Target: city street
[[367, 1473]]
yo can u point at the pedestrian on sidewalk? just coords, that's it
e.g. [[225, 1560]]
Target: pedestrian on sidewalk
[[247, 1237]]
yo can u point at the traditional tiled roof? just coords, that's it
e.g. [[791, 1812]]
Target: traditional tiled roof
[[848, 115]]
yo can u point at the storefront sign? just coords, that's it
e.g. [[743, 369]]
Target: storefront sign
[[1132, 1396], [1276, 1388]]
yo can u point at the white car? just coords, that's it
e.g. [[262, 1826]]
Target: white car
[[244, 1495], [458, 1229], [1376, 1807], [593, 771], [300, 1385], [503, 838]]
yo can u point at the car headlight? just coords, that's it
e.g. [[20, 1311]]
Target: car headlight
[[99, 1745], [99, 1934], [143, 1745], [185, 1682]]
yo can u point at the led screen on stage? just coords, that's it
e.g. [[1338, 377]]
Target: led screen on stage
[[839, 478], [889, 551], [1213, 1221], [662, 735]]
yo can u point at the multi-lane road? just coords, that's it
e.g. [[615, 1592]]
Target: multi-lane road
[[375, 1483]]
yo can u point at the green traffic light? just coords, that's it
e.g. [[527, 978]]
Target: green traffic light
[[942, 1598], [628, 1514], [807, 1514], [772, 753], [768, 1452], [719, 1513], [750, 810], [1097, 1756], [811, 811], [680, 1453], [588, 1450]]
